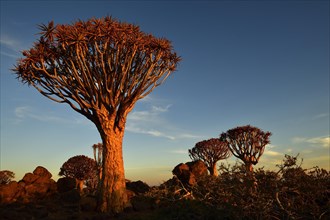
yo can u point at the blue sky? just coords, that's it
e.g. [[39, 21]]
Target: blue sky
[[264, 63]]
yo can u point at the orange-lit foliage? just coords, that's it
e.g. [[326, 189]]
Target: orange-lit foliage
[[6, 176], [210, 152], [80, 167], [101, 68], [247, 143]]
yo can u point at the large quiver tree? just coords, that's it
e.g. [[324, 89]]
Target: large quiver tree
[[247, 143], [210, 152], [100, 67]]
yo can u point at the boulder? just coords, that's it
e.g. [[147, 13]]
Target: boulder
[[137, 187], [183, 173], [66, 184], [8, 192], [33, 186], [190, 172], [42, 172], [29, 178], [198, 168]]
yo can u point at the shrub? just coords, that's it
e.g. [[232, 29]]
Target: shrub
[[290, 193], [6, 176]]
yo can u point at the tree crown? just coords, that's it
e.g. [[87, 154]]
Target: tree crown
[[6, 176], [246, 142], [210, 151], [96, 64], [79, 167]]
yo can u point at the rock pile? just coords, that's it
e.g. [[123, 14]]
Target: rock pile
[[189, 173], [33, 186]]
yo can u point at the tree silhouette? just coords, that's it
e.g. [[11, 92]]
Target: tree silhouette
[[247, 143], [101, 68], [81, 168], [210, 152], [6, 176]]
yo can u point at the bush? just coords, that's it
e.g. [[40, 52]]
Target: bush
[[290, 193], [6, 176]]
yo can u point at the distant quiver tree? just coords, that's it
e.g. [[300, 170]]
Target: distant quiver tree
[[6, 176], [81, 168], [101, 68], [247, 143], [210, 152], [97, 152]]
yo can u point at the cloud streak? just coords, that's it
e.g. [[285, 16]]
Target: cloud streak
[[322, 115], [11, 45], [152, 122], [26, 112], [323, 141], [179, 151]]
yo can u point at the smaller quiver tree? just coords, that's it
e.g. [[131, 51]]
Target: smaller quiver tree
[[81, 168], [210, 152], [247, 143], [6, 176], [97, 151]]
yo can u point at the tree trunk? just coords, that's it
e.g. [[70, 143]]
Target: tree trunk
[[80, 185], [249, 168], [112, 188], [213, 170]]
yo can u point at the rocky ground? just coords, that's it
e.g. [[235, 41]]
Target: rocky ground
[[38, 196]]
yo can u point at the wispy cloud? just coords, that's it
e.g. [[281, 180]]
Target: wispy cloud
[[321, 115], [152, 121], [25, 112], [323, 141], [10, 42], [272, 153], [180, 151], [155, 133], [10, 55], [11, 45], [269, 151]]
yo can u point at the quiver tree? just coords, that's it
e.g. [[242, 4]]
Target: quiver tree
[[210, 152], [101, 68], [246, 143], [6, 176], [81, 168], [97, 152]]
